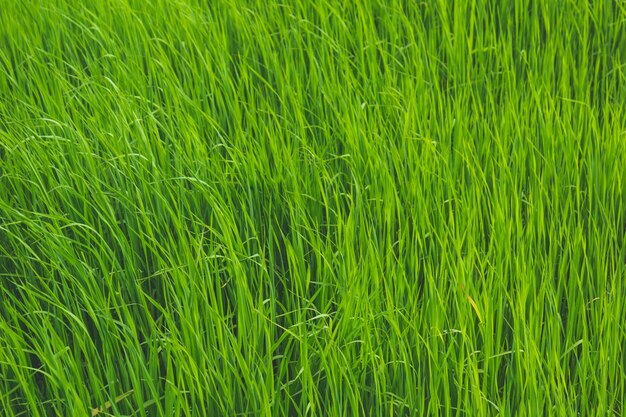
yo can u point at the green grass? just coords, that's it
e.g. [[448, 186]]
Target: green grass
[[312, 208]]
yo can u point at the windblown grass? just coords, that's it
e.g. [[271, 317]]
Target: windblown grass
[[312, 208]]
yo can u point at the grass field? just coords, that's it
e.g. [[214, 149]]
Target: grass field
[[312, 208]]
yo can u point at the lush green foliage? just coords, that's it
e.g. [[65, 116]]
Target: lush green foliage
[[382, 207]]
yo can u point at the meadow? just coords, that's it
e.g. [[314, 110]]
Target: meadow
[[312, 208]]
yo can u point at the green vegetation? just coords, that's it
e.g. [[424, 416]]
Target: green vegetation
[[312, 208]]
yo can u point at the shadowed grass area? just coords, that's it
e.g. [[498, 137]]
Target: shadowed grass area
[[303, 208]]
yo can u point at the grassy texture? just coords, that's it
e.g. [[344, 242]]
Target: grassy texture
[[304, 208]]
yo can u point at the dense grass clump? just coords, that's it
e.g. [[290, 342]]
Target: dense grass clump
[[312, 208]]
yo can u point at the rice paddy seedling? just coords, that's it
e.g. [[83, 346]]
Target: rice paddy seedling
[[312, 208]]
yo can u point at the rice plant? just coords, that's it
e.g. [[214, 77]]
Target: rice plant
[[312, 208]]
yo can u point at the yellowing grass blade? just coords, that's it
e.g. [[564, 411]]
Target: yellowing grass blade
[[107, 405], [475, 307]]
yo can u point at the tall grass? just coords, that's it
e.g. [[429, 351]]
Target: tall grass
[[312, 208]]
